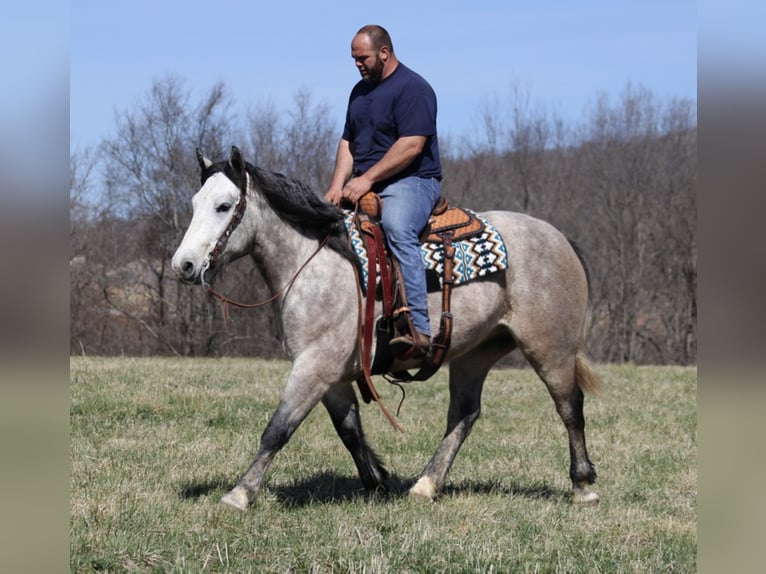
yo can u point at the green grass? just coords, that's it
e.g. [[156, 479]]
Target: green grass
[[155, 443]]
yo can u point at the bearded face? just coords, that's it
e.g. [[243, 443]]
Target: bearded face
[[372, 73], [367, 58]]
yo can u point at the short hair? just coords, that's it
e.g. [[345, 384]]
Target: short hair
[[378, 36]]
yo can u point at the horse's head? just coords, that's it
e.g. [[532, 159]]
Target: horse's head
[[214, 235]]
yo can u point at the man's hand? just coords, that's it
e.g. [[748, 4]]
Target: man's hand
[[334, 195], [355, 188], [398, 157]]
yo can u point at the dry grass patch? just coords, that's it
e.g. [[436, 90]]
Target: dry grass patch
[[155, 442]]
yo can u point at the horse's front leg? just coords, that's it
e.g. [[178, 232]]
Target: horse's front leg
[[343, 406], [303, 391]]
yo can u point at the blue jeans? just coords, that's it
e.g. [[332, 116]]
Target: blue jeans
[[407, 204]]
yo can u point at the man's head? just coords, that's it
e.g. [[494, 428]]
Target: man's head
[[373, 53]]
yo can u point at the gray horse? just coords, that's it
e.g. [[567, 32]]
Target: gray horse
[[299, 244]]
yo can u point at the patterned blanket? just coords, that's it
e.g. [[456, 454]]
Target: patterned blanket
[[474, 257]]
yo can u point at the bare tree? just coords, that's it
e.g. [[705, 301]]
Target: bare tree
[[621, 184], [632, 193], [82, 299], [678, 227], [515, 163], [151, 172], [299, 142]]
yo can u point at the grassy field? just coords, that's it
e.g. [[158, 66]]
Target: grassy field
[[155, 442]]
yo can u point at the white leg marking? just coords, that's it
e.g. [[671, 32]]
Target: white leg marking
[[236, 498], [424, 488], [585, 497]]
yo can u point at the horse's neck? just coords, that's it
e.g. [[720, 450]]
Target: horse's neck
[[280, 250]]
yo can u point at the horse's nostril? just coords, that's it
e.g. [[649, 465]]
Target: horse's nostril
[[187, 268]]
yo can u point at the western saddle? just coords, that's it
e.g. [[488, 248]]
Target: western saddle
[[446, 225]]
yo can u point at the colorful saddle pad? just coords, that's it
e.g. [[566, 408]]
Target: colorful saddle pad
[[475, 257]]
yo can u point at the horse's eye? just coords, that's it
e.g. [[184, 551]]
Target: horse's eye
[[223, 208]]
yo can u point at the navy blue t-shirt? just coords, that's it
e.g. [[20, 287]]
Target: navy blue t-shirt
[[378, 114]]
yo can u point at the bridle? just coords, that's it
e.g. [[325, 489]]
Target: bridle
[[211, 260]]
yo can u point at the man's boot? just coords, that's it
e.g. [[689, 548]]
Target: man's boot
[[404, 347]]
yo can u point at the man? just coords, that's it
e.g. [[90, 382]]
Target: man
[[389, 145]]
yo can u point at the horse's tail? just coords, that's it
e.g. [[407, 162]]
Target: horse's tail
[[581, 257], [585, 377]]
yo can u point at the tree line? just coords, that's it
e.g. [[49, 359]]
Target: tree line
[[620, 182]]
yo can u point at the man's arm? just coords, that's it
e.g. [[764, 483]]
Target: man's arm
[[398, 157], [344, 167]]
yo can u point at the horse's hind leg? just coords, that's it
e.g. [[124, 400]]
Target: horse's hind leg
[[466, 381], [565, 384], [341, 402]]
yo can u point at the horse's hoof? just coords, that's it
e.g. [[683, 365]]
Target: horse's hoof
[[236, 498], [585, 497], [424, 489]]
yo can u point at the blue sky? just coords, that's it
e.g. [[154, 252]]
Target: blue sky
[[562, 53]]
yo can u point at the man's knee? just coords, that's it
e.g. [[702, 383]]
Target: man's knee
[[397, 228]]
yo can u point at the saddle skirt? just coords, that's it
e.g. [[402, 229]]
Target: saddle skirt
[[479, 247]]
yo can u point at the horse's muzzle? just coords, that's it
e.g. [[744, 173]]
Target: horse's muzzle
[[186, 270]]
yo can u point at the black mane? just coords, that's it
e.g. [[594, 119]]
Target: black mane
[[296, 204]]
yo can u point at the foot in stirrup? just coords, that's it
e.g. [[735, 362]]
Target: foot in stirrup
[[404, 347]]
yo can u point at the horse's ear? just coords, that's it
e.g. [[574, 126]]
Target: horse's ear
[[236, 161], [204, 163]]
